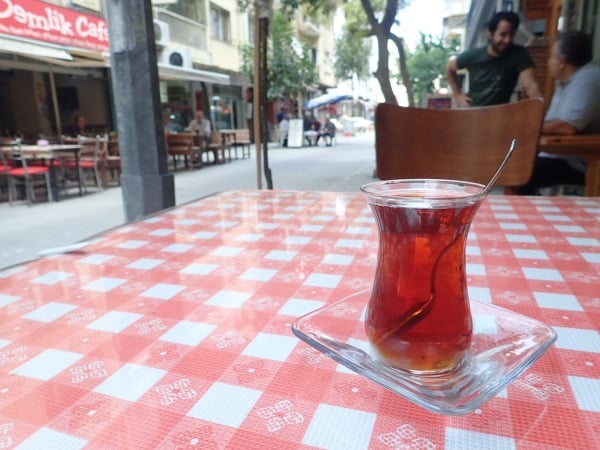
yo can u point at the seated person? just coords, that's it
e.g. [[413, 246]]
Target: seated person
[[328, 131], [309, 129], [575, 108], [79, 128], [201, 127], [316, 127]]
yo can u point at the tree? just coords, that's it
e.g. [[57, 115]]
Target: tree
[[377, 19], [289, 73], [379, 16], [351, 57], [291, 70], [426, 64]]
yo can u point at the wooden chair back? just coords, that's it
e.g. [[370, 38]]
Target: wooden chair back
[[180, 143], [460, 144], [242, 135]]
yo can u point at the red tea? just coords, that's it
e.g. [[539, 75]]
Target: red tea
[[418, 317]]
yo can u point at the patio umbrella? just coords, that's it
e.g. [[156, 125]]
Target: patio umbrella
[[326, 99]]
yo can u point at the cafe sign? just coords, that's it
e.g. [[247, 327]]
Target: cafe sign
[[40, 21]]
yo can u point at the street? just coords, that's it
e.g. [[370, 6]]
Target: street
[[27, 230]]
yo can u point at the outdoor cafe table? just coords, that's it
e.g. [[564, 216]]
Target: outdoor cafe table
[[51, 153], [174, 332], [584, 146]]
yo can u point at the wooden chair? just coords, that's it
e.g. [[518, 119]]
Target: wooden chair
[[242, 141], [461, 144], [220, 147], [180, 144], [110, 160]]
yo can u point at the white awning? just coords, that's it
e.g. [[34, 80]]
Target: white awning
[[166, 73], [32, 50]]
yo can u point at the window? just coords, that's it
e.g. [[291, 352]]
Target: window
[[191, 9], [219, 23], [251, 29]]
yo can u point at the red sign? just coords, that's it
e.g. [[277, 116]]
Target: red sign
[[30, 19]]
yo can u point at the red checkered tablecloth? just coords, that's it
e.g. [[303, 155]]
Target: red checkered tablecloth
[[175, 332]]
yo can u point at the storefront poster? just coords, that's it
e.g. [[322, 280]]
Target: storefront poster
[[30, 19]]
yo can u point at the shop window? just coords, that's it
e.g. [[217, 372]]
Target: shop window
[[68, 98], [251, 29], [177, 110], [219, 23], [190, 9], [221, 112]]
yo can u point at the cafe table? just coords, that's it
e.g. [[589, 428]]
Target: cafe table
[[584, 146], [174, 332], [53, 153]]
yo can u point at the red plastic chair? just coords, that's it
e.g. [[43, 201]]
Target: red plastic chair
[[22, 173], [89, 160]]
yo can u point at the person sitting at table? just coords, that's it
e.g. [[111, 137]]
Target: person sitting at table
[[314, 130], [328, 132], [79, 126], [309, 132], [201, 127], [575, 108]]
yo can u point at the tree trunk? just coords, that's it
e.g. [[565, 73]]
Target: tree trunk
[[381, 30], [403, 69], [383, 71], [264, 131]]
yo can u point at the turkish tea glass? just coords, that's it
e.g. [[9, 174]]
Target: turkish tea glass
[[418, 317]]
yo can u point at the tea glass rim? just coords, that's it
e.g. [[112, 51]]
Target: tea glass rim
[[390, 192]]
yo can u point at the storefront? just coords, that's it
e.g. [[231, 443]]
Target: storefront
[[52, 68], [55, 65], [183, 91]]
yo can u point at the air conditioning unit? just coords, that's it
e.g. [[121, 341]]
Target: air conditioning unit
[[176, 57], [162, 35]]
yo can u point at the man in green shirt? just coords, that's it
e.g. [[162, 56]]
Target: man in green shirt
[[495, 69]]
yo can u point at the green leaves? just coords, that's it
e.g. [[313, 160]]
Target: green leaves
[[352, 56], [426, 64], [291, 70]]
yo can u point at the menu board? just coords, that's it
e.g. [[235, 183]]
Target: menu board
[[296, 133]]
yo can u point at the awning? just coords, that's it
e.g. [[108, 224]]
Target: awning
[[166, 72], [326, 99], [33, 50]]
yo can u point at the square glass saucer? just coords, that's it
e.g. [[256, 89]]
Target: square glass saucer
[[504, 345]]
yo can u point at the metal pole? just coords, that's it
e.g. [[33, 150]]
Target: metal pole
[[256, 97], [55, 103]]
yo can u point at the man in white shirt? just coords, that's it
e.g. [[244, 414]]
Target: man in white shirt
[[200, 126]]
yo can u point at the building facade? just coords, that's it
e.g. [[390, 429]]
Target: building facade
[[55, 63]]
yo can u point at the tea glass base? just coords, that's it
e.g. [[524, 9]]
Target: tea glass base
[[504, 345]]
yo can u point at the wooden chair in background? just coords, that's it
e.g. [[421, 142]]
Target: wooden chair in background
[[219, 147], [180, 144], [461, 144]]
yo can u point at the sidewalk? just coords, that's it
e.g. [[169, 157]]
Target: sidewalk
[[25, 231]]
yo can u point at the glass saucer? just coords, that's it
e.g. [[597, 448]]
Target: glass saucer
[[504, 345]]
